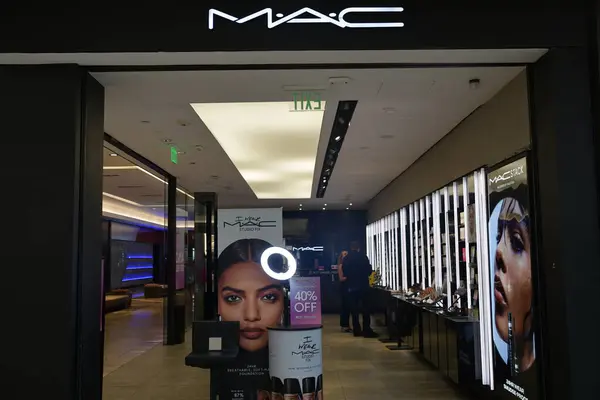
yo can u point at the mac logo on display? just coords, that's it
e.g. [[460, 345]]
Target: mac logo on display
[[508, 174], [250, 223], [309, 16], [314, 248]]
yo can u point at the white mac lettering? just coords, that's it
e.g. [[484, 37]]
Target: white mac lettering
[[315, 248], [336, 19]]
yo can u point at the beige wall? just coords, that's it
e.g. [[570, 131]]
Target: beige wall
[[496, 131]]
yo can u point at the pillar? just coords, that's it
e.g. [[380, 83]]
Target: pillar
[[52, 127], [566, 221]]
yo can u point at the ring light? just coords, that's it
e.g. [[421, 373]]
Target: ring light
[[281, 276]]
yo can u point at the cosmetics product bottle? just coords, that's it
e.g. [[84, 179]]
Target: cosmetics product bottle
[[276, 389], [308, 388], [320, 387], [291, 389]]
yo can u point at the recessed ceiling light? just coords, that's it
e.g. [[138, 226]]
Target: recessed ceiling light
[[167, 140], [199, 147], [145, 122], [338, 138], [389, 110], [347, 208], [214, 177], [323, 208], [193, 163], [300, 205], [386, 136], [181, 152], [325, 204], [269, 172], [350, 204], [113, 154]]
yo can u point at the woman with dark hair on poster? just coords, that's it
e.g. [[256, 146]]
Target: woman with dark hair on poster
[[512, 286], [248, 295]]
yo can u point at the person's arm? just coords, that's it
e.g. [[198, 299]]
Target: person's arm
[[341, 272], [368, 266]]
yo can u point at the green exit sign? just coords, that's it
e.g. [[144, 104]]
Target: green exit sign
[[307, 101], [174, 155]]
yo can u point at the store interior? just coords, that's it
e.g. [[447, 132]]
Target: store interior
[[395, 158]]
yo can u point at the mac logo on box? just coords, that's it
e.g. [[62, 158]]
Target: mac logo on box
[[309, 16]]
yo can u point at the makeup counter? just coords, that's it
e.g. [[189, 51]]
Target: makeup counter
[[446, 266]]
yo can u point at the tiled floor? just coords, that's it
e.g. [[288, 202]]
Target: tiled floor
[[354, 369], [129, 333]]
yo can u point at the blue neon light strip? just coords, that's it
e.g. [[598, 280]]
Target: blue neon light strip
[[140, 257], [140, 267], [140, 278]]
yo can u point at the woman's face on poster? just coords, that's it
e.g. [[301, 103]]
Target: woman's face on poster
[[513, 289], [248, 295]]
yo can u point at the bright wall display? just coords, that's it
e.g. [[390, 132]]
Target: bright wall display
[[433, 245], [246, 293], [382, 250], [510, 266]]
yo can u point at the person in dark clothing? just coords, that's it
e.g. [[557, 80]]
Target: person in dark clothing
[[357, 269], [345, 309]]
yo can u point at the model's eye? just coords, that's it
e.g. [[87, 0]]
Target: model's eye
[[233, 298], [270, 297], [516, 241]]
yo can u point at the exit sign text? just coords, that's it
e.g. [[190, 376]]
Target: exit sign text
[[307, 101]]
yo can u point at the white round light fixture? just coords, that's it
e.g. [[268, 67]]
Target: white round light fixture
[[281, 276]]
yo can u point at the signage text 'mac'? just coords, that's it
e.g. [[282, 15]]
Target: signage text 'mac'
[[307, 15]]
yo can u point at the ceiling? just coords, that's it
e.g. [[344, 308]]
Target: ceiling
[[401, 113]]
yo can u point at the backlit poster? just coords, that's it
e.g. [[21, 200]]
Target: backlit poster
[[245, 293], [513, 315]]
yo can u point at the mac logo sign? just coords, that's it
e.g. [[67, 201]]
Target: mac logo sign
[[314, 248], [508, 174], [309, 16]]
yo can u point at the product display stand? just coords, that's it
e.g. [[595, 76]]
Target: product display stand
[[296, 361], [405, 320], [215, 344]]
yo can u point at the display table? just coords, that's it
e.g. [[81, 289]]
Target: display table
[[296, 361], [450, 343]]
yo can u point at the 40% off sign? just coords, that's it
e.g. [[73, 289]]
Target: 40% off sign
[[306, 301]]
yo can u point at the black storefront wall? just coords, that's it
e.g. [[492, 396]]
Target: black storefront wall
[[429, 24], [333, 230], [56, 352]]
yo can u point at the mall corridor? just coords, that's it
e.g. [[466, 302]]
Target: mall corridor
[[354, 369], [130, 333]]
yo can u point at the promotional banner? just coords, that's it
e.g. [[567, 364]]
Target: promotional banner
[[296, 364], [305, 301], [245, 293], [513, 314]]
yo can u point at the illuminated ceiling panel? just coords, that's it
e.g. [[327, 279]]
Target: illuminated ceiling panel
[[273, 148]]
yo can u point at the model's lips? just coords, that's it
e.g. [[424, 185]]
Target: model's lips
[[252, 333], [499, 293]]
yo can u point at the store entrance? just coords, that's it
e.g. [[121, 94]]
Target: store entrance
[[322, 144]]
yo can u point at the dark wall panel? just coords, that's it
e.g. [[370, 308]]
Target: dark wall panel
[[53, 117]]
